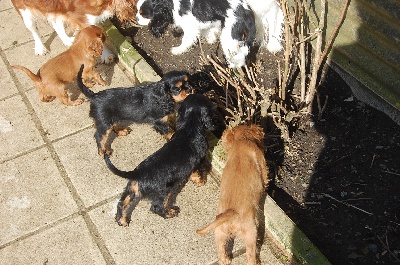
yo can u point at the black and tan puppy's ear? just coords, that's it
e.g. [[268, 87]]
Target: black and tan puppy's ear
[[178, 84]]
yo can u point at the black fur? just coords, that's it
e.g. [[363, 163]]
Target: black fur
[[162, 15], [232, 22], [244, 28], [210, 10], [149, 103], [168, 169]]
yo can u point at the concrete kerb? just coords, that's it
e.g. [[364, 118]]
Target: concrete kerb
[[128, 55], [278, 224]]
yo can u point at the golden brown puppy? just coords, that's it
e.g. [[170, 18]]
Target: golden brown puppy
[[53, 76], [244, 180]]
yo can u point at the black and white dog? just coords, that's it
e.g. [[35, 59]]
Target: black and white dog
[[230, 20], [269, 23]]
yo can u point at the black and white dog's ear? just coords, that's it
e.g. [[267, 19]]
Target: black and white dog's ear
[[162, 17]]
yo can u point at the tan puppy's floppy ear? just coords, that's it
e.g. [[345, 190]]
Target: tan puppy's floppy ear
[[95, 47], [227, 138], [258, 135]]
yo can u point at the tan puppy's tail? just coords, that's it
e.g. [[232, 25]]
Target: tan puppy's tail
[[219, 220], [35, 78]]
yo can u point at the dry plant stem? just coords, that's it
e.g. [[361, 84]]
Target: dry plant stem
[[284, 5], [386, 246], [334, 34], [392, 173], [302, 62], [279, 77], [315, 67], [322, 108], [347, 204]]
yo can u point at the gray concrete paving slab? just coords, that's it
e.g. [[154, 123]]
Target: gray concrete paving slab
[[68, 242], [17, 34], [86, 169], [18, 133], [20, 55], [7, 87], [32, 195], [5, 5], [150, 239], [59, 120]]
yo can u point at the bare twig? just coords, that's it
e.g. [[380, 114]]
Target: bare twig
[[288, 43], [356, 199], [373, 159], [347, 204], [322, 108], [334, 34], [315, 66], [392, 173], [386, 246]]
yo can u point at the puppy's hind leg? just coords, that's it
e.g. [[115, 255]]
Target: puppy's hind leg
[[249, 237], [162, 207], [222, 240], [129, 199], [60, 91], [101, 135], [58, 25], [163, 203]]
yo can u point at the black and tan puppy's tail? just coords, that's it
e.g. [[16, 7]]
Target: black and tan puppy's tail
[[219, 220], [84, 89], [116, 171]]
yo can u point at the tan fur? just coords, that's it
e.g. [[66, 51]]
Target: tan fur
[[74, 12], [53, 76], [244, 180]]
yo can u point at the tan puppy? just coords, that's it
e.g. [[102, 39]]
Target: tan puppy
[[244, 180], [53, 76]]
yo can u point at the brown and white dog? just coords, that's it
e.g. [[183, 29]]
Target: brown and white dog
[[77, 14], [244, 180], [53, 76]]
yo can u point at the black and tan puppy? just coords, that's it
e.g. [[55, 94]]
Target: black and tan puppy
[[150, 103], [161, 175]]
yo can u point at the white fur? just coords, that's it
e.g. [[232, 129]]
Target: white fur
[[139, 19], [269, 22], [234, 50], [30, 24], [58, 24], [95, 20]]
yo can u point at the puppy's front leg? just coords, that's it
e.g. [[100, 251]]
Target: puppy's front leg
[[161, 207], [107, 56], [90, 77], [189, 38], [198, 179]]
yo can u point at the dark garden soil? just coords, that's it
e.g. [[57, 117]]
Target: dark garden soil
[[338, 178]]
